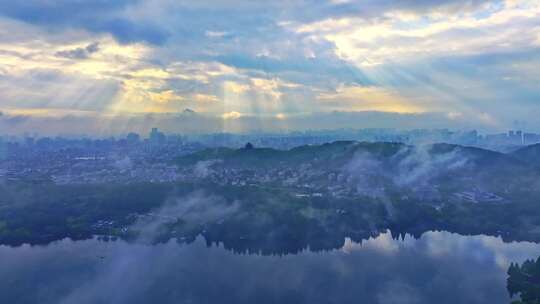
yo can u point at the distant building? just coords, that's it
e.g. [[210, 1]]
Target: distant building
[[515, 137], [157, 137], [133, 138]]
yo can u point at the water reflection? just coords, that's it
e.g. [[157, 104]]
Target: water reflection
[[439, 267]]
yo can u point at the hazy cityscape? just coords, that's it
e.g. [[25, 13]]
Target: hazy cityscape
[[270, 152], [148, 158]]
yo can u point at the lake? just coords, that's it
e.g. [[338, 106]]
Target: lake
[[439, 267]]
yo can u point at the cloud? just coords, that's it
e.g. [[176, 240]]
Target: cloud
[[54, 89], [214, 34], [369, 98], [399, 37], [419, 166], [79, 53], [477, 58], [231, 115], [95, 16], [194, 209]]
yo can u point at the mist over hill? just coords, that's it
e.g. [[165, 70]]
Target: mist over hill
[[279, 200], [395, 163]]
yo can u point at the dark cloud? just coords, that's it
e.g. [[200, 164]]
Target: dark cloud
[[96, 16], [316, 10], [126, 31], [79, 53], [191, 19]]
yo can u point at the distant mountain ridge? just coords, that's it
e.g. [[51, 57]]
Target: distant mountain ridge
[[390, 158], [529, 154], [339, 150], [268, 156]]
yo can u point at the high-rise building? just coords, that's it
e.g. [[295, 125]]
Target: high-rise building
[[515, 137], [133, 138], [157, 137]]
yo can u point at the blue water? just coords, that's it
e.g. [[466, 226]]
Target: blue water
[[439, 268]]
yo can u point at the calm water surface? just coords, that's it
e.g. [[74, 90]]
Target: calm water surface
[[440, 267]]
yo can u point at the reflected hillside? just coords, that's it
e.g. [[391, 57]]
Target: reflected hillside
[[439, 267]]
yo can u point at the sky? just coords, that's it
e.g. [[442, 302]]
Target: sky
[[75, 66]]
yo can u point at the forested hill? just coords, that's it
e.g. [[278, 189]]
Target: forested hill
[[529, 155], [341, 153], [296, 197]]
